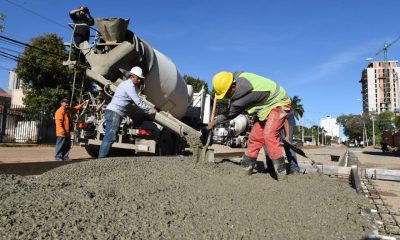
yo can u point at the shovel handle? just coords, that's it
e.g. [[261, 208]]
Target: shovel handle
[[213, 109]]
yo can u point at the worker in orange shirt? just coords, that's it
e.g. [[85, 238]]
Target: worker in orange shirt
[[64, 127]]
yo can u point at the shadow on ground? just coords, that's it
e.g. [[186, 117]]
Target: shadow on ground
[[382, 154]]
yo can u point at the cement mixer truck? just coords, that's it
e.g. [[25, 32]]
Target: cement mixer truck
[[234, 133], [183, 114]]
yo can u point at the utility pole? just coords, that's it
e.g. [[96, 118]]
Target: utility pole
[[302, 130], [373, 131], [312, 134]]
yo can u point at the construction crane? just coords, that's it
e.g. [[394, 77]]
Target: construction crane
[[386, 77]]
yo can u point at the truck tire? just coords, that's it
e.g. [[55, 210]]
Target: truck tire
[[92, 150], [165, 144], [229, 142]]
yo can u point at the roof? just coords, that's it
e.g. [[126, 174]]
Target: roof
[[4, 93]]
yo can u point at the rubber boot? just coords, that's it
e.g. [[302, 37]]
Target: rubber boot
[[248, 164], [280, 168]]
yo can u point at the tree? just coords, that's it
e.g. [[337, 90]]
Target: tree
[[2, 17], [297, 107], [353, 126], [222, 105], [397, 122], [385, 121], [196, 83], [44, 79]]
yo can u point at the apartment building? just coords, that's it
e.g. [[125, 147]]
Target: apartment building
[[380, 87], [14, 87]]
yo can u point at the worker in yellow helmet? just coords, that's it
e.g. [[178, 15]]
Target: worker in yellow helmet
[[263, 98]]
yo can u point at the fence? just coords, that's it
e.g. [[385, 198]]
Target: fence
[[19, 125]]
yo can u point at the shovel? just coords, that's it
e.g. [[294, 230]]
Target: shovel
[[207, 154], [297, 150]]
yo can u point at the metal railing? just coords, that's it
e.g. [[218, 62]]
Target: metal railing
[[20, 125]]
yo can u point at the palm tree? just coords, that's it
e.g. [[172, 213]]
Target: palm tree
[[297, 107]]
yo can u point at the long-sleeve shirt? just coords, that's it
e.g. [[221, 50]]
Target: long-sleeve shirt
[[82, 31], [64, 125], [125, 95], [245, 97]]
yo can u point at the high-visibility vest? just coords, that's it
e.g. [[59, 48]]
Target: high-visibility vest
[[277, 97]]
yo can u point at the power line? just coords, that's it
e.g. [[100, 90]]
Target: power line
[[37, 14], [28, 45], [10, 50]]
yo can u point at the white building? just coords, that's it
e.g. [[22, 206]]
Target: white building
[[15, 89], [331, 127]]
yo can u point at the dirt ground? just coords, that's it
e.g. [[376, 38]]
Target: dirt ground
[[174, 198]]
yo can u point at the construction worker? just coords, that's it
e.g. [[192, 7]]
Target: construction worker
[[125, 95], [82, 20], [64, 127], [266, 100]]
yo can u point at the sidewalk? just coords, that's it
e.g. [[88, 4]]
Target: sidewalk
[[36, 154], [375, 158]]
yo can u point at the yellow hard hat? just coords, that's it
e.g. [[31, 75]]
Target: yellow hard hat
[[222, 81]]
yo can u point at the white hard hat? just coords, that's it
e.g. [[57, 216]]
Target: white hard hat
[[137, 71]]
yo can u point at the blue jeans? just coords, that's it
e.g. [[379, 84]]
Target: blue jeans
[[290, 154], [63, 145], [113, 120]]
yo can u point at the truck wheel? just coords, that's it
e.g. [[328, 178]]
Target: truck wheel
[[244, 143], [165, 144], [92, 150], [229, 142]]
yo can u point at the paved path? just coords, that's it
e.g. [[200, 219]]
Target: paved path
[[375, 158], [36, 154]]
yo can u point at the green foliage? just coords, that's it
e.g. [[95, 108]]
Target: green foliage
[[196, 83], [222, 105], [297, 107], [2, 17], [385, 121], [44, 79], [397, 122], [352, 126]]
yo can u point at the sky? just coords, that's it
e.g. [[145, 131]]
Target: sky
[[316, 50]]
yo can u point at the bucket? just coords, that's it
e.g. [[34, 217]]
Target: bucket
[[335, 158]]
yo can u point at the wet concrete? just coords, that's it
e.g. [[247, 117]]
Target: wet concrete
[[175, 198]]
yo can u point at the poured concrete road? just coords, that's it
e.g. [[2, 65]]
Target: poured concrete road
[[175, 198]]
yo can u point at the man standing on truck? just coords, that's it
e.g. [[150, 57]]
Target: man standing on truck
[[82, 20], [125, 95], [64, 127], [258, 96]]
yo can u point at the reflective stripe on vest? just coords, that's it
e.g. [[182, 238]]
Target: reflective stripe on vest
[[278, 96]]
